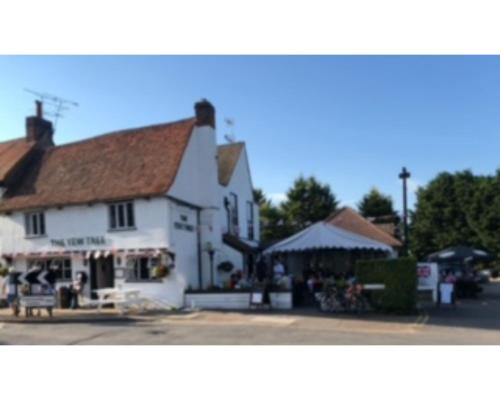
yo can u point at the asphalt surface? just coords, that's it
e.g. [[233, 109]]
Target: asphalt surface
[[470, 322]]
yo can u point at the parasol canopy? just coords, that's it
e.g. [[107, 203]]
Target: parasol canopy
[[460, 254]]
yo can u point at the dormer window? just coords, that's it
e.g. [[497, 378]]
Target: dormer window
[[121, 216], [34, 224]]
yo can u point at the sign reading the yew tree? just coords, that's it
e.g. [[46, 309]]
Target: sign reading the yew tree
[[76, 242]]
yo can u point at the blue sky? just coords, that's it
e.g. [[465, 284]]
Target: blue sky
[[351, 121]]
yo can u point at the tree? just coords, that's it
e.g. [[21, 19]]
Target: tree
[[259, 197], [308, 201], [484, 212], [442, 216], [375, 204], [273, 224]]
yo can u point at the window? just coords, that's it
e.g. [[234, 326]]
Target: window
[[233, 209], [250, 214], [141, 268], [34, 224], [121, 216], [61, 266]]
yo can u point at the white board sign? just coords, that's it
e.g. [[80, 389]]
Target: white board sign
[[428, 278], [428, 275], [38, 301]]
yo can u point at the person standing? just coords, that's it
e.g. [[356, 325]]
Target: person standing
[[278, 270], [11, 290], [261, 269]]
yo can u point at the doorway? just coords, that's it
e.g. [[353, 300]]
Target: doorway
[[102, 274]]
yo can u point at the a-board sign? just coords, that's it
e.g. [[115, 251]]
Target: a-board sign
[[446, 293], [257, 296]]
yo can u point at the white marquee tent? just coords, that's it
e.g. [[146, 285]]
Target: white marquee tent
[[325, 236]]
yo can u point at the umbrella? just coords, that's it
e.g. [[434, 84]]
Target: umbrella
[[460, 254]]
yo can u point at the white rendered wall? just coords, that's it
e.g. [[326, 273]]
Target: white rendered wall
[[197, 179], [241, 185], [151, 218]]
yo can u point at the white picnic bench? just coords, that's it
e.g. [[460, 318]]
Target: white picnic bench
[[122, 299]]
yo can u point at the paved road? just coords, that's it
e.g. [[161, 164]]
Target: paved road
[[472, 322]]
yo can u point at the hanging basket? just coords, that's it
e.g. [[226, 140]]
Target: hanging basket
[[162, 271]]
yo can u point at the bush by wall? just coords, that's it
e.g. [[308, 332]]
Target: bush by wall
[[400, 279]]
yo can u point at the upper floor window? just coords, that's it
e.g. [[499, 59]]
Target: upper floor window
[[250, 217], [233, 210], [121, 216], [34, 223]]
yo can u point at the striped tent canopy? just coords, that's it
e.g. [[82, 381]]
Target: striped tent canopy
[[325, 236]]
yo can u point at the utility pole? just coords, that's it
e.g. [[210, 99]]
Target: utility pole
[[404, 175]]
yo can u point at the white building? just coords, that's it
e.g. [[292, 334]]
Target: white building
[[117, 205]]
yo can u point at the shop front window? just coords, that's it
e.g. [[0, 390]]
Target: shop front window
[[140, 269], [61, 266]]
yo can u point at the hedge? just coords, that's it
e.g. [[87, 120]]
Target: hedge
[[400, 279]]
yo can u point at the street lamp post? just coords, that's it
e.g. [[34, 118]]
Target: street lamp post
[[404, 175], [209, 248]]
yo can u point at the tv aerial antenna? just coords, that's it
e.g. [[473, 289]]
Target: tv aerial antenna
[[57, 106], [230, 136]]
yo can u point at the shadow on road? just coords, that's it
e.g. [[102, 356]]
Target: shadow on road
[[480, 313]]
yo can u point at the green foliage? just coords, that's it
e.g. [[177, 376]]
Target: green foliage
[[272, 220], [400, 279], [457, 209], [484, 213], [376, 204], [259, 197], [308, 201]]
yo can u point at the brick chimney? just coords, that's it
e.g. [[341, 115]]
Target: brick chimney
[[205, 113], [38, 129]]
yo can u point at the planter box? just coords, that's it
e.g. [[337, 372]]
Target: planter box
[[281, 300], [234, 300], [221, 301]]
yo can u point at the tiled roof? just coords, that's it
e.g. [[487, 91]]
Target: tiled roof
[[133, 163], [11, 154], [350, 220], [228, 156], [387, 227]]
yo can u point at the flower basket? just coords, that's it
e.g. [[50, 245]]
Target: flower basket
[[162, 271]]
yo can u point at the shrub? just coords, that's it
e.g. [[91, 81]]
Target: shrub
[[400, 279]]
